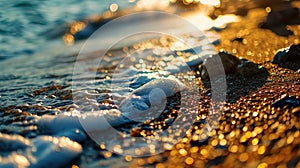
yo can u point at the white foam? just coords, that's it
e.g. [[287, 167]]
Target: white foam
[[42, 151], [74, 134], [53, 151], [14, 160], [92, 121], [55, 124]]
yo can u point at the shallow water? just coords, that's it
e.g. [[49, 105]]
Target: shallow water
[[41, 86], [26, 26]]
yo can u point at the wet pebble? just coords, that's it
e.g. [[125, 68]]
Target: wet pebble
[[290, 101], [169, 121], [170, 86], [147, 100], [289, 54], [232, 65]]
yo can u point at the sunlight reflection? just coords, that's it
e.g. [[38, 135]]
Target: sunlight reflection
[[223, 20], [76, 27], [68, 39], [148, 4], [210, 2], [113, 7], [187, 2], [201, 21]]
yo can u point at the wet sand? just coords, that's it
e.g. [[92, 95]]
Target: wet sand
[[251, 132]]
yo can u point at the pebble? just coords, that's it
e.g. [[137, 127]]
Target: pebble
[[169, 121], [232, 65], [149, 99], [170, 86], [289, 54], [290, 101]]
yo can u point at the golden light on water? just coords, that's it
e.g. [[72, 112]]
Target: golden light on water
[[183, 152], [76, 27], [128, 158], [201, 21], [186, 2], [113, 7], [21, 160], [148, 4], [107, 154], [243, 157], [117, 149], [204, 152], [255, 141], [68, 39], [223, 142], [102, 146], [189, 160], [194, 149], [290, 139], [268, 9], [261, 150], [214, 142], [211, 2], [262, 165], [223, 20], [233, 148]]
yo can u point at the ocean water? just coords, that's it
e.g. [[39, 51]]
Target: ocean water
[[26, 26]]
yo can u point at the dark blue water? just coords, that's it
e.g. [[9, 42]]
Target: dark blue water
[[28, 26]]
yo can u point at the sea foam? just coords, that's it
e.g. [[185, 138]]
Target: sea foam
[[41, 151]]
